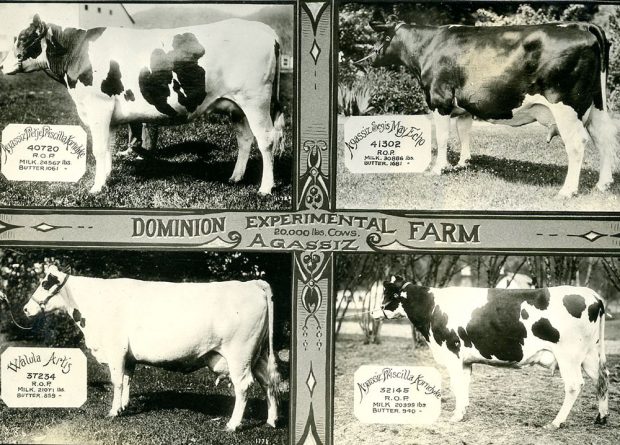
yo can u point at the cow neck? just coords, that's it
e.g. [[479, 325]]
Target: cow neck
[[71, 304], [67, 52], [419, 306], [414, 41]]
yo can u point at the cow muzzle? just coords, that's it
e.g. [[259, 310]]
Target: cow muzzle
[[11, 64], [32, 309]]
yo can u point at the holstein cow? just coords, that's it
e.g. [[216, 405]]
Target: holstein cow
[[557, 327], [227, 326], [515, 75], [167, 76]]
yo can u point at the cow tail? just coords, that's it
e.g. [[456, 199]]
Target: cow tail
[[603, 129], [272, 367], [604, 46], [603, 374], [276, 107]]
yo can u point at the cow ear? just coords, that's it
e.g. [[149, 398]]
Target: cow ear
[[51, 269], [38, 24], [382, 27]]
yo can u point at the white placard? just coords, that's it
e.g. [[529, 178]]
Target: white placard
[[43, 377], [33, 152], [387, 144], [397, 394]]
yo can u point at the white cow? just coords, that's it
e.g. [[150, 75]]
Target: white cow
[[558, 327], [167, 76], [227, 326]]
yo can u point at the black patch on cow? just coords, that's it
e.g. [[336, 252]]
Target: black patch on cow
[[545, 331], [50, 281], [441, 333], [463, 334], [77, 317], [183, 61], [129, 96], [524, 314], [574, 304], [419, 306], [595, 310], [67, 53], [112, 84], [495, 329], [562, 63]]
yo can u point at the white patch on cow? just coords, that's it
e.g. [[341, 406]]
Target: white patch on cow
[[173, 325], [459, 303]]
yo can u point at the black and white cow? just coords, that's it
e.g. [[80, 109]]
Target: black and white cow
[[558, 327], [555, 74], [167, 76]]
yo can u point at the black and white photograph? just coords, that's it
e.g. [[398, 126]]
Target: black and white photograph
[[181, 347], [528, 347], [523, 100], [184, 105]]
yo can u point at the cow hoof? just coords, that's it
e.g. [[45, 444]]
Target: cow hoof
[[264, 191], [456, 418], [438, 170], [230, 428], [600, 420], [114, 413], [553, 426], [95, 189], [602, 186], [566, 193], [235, 179], [125, 153], [272, 423]]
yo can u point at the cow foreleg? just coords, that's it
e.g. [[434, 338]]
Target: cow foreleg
[[99, 119], [117, 373], [127, 375], [460, 376], [570, 371], [244, 144], [463, 128], [442, 133], [575, 138]]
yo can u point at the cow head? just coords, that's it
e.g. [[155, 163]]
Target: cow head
[[386, 50], [45, 298], [392, 305], [29, 49]]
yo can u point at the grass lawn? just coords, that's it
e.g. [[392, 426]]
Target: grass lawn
[[510, 169], [507, 406], [190, 169], [164, 408]]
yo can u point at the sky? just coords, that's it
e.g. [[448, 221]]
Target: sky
[[14, 17]]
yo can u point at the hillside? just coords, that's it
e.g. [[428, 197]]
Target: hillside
[[279, 17]]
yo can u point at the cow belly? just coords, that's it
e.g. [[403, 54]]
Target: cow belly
[[534, 109]]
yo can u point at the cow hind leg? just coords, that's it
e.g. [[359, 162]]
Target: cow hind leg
[[575, 138], [245, 137], [241, 378], [261, 372], [605, 136], [463, 128], [573, 382], [442, 133], [596, 369], [260, 123]]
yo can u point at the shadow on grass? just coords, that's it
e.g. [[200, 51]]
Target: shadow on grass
[[215, 405], [525, 172], [206, 164]]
